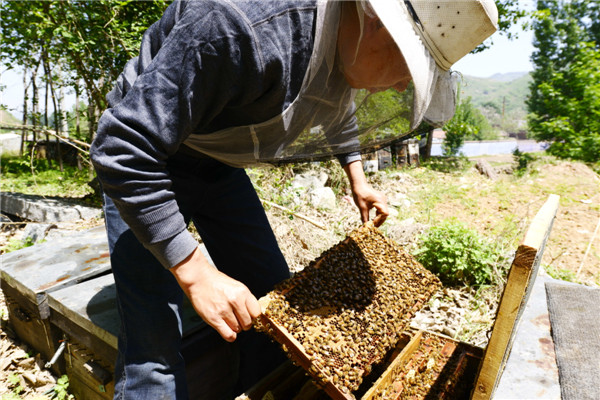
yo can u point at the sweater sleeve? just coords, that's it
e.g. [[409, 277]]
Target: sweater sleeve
[[189, 81]]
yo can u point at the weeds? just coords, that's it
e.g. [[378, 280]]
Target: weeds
[[561, 274], [16, 244], [457, 254], [453, 165], [39, 178], [523, 160]]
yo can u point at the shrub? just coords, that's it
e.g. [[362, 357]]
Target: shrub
[[523, 160], [457, 254]]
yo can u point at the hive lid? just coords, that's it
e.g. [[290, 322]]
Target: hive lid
[[344, 311], [40, 269]]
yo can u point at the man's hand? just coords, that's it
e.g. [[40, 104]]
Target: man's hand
[[365, 197], [224, 303]]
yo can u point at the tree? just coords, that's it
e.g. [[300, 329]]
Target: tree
[[467, 123], [565, 82], [89, 40], [572, 101]]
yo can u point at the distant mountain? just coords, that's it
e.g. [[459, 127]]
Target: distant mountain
[[501, 91], [508, 76], [501, 98], [8, 118]]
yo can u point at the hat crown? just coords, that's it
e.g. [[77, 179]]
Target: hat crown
[[452, 29]]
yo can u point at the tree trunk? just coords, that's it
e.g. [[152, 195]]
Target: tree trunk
[[46, 122], [57, 122], [34, 103], [25, 98], [427, 153]]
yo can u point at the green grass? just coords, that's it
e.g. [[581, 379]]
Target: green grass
[[21, 175]]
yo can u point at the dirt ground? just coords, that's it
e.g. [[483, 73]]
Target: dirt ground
[[498, 209]]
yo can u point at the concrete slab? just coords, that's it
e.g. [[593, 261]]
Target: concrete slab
[[531, 371], [44, 209]]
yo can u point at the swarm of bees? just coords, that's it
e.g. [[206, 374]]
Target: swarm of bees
[[438, 368], [348, 308]]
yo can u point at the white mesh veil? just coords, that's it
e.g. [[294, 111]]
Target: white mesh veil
[[318, 124]]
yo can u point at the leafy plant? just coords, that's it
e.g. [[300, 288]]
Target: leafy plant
[[561, 274], [457, 254], [14, 382], [523, 160], [16, 244], [60, 389]]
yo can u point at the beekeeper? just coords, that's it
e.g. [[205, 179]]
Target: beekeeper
[[219, 85]]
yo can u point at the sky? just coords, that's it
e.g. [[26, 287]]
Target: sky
[[503, 56]]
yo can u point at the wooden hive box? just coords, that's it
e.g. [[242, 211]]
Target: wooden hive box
[[422, 365], [28, 275], [87, 316]]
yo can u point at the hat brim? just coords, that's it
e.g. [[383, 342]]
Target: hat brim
[[421, 64]]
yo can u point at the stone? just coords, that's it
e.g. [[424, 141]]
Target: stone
[[309, 181], [370, 166], [37, 232], [322, 198], [43, 209]]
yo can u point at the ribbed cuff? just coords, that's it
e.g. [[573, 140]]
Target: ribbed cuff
[[346, 159], [172, 251]]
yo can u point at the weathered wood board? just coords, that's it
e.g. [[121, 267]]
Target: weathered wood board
[[521, 278], [37, 270], [29, 274]]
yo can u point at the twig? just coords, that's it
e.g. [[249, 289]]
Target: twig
[[588, 249], [69, 141], [307, 219]]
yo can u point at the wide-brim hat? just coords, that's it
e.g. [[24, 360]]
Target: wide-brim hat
[[433, 35]]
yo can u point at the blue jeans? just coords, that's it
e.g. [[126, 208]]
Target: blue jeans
[[226, 211]]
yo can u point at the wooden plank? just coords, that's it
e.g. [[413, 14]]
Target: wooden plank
[[30, 327], [514, 298], [388, 376], [258, 391], [91, 306], [90, 378]]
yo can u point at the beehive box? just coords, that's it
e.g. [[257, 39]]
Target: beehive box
[[417, 365], [28, 275]]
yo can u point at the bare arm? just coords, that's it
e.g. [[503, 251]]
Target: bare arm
[[365, 197], [223, 302]]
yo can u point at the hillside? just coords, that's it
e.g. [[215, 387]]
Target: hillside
[[512, 89], [7, 118], [501, 99]]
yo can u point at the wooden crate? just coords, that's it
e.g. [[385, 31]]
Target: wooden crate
[[476, 371], [28, 275]]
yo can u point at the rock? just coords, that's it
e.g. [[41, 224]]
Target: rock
[[27, 363], [486, 169], [309, 181], [322, 198], [37, 232], [370, 166], [30, 378], [43, 209], [397, 199], [449, 331], [393, 212]]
